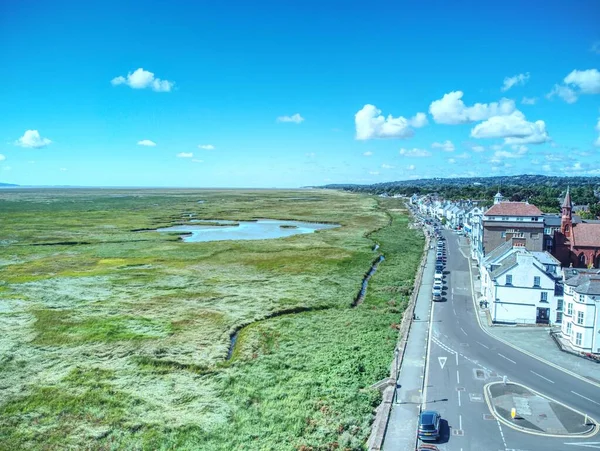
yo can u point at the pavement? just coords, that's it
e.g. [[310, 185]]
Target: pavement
[[534, 340], [534, 413], [452, 358]]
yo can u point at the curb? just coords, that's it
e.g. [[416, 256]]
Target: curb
[[379, 427]]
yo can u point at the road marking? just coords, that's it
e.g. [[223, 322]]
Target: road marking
[[457, 377], [501, 433], [429, 339], [459, 401], [486, 347], [456, 354], [442, 361], [463, 331], [539, 375], [454, 311], [585, 397], [510, 360], [460, 421], [595, 445]]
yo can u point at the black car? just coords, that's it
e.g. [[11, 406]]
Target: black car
[[429, 425]]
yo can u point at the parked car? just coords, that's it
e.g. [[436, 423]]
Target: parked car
[[429, 425], [436, 293]]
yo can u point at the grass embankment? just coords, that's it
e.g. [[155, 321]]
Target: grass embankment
[[121, 343]]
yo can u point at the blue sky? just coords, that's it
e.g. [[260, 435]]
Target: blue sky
[[287, 94]]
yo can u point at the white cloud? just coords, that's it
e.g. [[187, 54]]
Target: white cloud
[[146, 142], [371, 124], [141, 79], [206, 146], [373, 172], [529, 100], [463, 155], [63, 169], [410, 167], [296, 118], [509, 82], [310, 154], [564, 92], [194, 160], [479, 148], [588, 81], [547, 167], [2, 157], [415, 152], [387, 166], [514, 129], [185, 155], [596, 47], [6, 168], [368, 153], [519, 148], [450, 109], [451, 160], [33, 140], [597, 142], [446, 146]]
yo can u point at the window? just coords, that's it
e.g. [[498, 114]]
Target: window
[[579, 317], [578, 339], [508, 280], [505, 218], [503, 234], [543, 296], [535, 219], [570, 308], [519, 219], [547, 231], [559, 317], [569, 328], [536, 282], [559, 304]]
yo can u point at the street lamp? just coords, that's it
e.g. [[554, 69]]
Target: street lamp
[[396, 357]]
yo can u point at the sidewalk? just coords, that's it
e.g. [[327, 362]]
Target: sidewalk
[[401, 433], [534, 340]]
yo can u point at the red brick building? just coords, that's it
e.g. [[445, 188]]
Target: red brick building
[[577, 243]]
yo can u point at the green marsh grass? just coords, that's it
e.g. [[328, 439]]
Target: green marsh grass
[[117, 339]]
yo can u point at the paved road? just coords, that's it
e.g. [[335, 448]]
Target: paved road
[[463, 358]]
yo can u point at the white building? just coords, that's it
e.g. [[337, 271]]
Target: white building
[[520, 286], [581, 319]]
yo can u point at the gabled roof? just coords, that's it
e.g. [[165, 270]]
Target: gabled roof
[[585, 283], [545, 258], [506, 264], [513, 209], [499, 251], [551, 220], [586, 234]]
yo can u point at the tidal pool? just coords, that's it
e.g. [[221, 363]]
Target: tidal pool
[[262, 229]]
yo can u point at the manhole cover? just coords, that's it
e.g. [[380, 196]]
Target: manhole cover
[[479, 374], [488, 416], [460, 388], [475, 397], [458, 432]]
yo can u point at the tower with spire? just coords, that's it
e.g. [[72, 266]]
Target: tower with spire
[[566, 220], [498, 197]]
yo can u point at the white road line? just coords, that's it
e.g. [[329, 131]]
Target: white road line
[[539, 375], [454, 311], [458, 399], [429, 339], [504, 357], [460, 421], [457, 377], [456, 359], [501, 434], [585, 397], [486, 347], [463, 331]]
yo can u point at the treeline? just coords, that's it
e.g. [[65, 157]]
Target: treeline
[[545, 192]]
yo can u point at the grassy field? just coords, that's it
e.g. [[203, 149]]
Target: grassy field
[[116, 337]]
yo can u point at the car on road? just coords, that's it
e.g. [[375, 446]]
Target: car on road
[[436, 293], [439, 275], [429, 425]]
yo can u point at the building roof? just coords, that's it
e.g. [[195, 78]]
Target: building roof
[[586, 234], [506, 264], [499, 251], [583, 282], [545, 258], [567, 202], [551, 220], [513, 209]]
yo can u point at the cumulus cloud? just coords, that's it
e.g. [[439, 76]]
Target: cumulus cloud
[[185, 155], [146, 142], [387, 166], [564, 92], [451, 160], [410, 167], [588, 81], [141, 79], [33, 140], [63, 169], [206, 146], [597, 142], [2, 157], [529, 100], [368, 153], [509, 82], [478, 148], [371, 124], [415, 152], [513, 128], [446, 146], [373, 172], [295, 118], [194, 160], [450, 109]]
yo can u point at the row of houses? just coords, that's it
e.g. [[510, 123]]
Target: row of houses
[[534, 268]]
